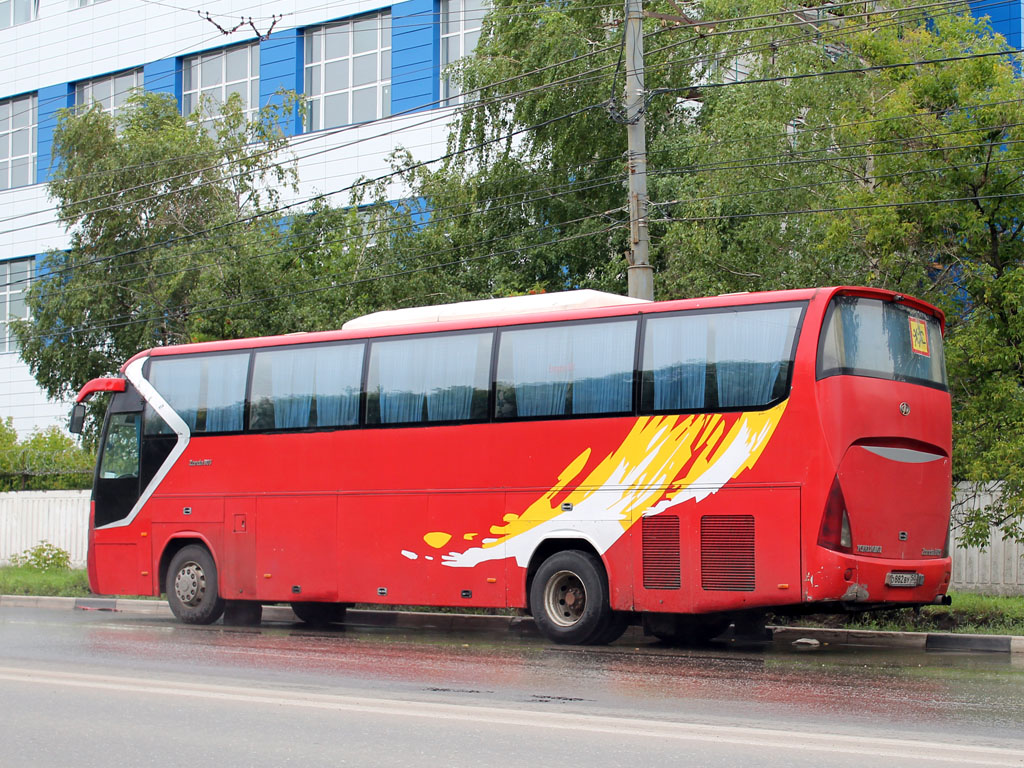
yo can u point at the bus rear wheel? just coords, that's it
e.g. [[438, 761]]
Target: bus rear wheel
[[320, 614], [192, 586], [569, 600]]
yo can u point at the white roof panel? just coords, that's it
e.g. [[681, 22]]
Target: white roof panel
[[488, 308]]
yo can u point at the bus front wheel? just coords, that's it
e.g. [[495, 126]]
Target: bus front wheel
[[192, 586], [569, 600]]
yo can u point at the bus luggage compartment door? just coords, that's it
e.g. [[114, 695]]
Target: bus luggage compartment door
[[297, 547], [238, 570]]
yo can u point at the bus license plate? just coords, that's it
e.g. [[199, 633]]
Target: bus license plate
[[903, 579]]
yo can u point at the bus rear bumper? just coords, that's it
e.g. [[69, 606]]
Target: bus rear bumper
[[857, 580]]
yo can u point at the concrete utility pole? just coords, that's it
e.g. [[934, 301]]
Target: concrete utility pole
[[640, 273]]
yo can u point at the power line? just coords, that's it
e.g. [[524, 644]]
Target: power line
[[350, 283], [832, 182], [829, 73], [368, 236], [842, 209]]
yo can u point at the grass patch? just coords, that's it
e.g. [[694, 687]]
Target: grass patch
[[55, 583], [969, 614]]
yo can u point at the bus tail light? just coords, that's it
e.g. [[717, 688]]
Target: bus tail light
[[835, 524]]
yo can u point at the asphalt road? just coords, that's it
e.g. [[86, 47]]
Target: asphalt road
[[101, 689]]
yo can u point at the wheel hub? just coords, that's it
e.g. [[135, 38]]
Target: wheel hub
[[190, 584], [565, 598]]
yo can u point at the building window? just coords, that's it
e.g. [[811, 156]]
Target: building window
[[83, 3], [348, 72], [110, 92], [18, 142], [14, 12], [15, 276], [218, 74], [461, 21]]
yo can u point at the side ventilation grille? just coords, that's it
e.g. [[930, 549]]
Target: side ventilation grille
[[661, 551], [727, 553]]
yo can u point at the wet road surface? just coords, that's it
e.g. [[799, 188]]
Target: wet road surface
[[83, 688]]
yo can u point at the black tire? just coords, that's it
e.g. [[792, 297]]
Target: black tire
[[569, 599], [243, 613], [320, 614], [192, 586], [682, 630], [616, 627]]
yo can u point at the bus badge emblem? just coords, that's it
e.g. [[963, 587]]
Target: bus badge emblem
[[905, 409]]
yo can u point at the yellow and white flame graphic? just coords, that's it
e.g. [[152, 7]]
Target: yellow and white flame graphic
[[664, 460]]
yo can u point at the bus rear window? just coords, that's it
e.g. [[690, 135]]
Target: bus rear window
[[882, 340]]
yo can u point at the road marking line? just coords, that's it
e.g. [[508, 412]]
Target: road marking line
[[870, 746]]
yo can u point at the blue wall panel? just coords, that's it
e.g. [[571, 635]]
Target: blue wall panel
[[163, 76], [281, 69], [49, 101], [1005, 18], [415, 55]]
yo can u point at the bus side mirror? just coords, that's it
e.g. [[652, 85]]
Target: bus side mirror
[[77, 419]]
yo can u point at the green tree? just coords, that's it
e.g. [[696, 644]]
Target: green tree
[[46, 460], [170, 237]]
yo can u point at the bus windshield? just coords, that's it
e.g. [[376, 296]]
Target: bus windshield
[[883, 340]]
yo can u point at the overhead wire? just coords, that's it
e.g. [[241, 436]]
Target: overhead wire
[[349, 283]]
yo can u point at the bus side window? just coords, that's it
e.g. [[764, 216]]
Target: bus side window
[[206, 391], [416, 379], [752, 353], [566, 370], [704, 361], [675, 363], [308, 386]]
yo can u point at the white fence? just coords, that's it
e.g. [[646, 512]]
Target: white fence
[[59, 517], [999, 569], [62, 518]]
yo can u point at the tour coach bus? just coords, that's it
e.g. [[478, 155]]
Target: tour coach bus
[[593, 459]]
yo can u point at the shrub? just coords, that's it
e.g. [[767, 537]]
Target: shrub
[[44, 556]]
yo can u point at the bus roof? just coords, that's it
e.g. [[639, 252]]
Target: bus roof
[[513, 310]]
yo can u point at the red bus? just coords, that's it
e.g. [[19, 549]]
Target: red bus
[[591, 459]]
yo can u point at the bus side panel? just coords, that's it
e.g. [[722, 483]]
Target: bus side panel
[[289, 530], [375, 533], [116, 566], [748, 550], [123, 560], [395, 547], [454, 519]]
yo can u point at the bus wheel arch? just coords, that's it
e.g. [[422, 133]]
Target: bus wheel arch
[[171, 548], [567, 585], [190, 580]]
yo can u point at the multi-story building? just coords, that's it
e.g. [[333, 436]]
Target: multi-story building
[[374, 66]]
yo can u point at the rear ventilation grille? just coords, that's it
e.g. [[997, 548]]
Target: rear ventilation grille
[[727, 553], [661, 551]]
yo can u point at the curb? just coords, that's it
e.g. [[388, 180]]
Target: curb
[[524, 626]]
